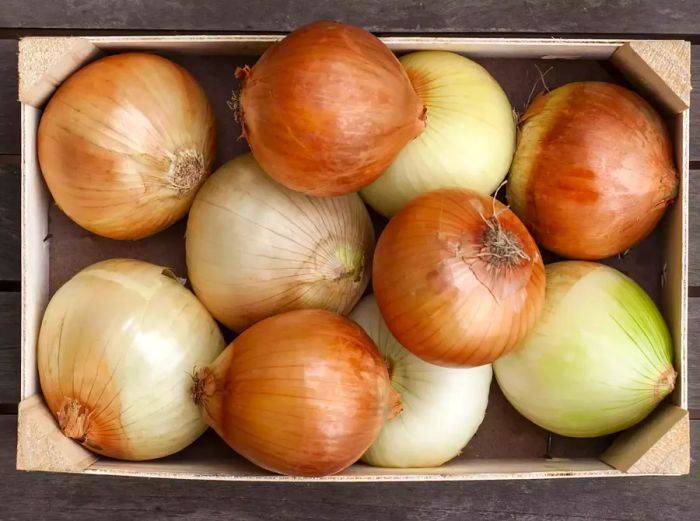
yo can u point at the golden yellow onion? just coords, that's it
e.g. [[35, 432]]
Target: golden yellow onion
[[116, 348], [256, 248], [125, 143], [301, 393]]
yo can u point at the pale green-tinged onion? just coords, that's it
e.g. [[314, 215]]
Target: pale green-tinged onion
[[442, 407], [469, 137], [116, 351], [599, 359]]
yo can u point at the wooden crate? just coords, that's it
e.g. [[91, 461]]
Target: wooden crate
[[53, 249]]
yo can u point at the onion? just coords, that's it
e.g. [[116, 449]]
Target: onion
[[469, 137], [116, 344], [593, 172], [255, 248], [442, 407], [124, 144], [328, 108], [301, 393], [458, 279], [598, 361]]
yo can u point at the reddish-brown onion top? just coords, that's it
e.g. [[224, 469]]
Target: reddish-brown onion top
[[458, 279], [327, 109], [593, 172], [301, 393]]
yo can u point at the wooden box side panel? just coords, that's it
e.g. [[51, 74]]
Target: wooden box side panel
[[675, 275], [457, 470], [35, 250], [476, 47]]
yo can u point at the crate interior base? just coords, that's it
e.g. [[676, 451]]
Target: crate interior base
[[506, 445]]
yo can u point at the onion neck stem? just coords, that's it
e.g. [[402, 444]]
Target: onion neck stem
[[501, 247], [351, 263]]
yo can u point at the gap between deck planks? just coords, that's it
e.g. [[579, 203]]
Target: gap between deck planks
[[70, 497]]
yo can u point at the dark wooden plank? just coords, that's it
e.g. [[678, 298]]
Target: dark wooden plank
[[72, 497], [694, 354], [474, 16], [694, 232], [695, 103], [9, 220], [9, 348], [9, 107]]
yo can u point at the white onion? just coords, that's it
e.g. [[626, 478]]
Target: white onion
[[468, 141], [256, 248], [599, 359], [442, 407], [117, 347]]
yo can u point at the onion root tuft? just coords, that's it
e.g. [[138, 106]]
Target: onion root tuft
[[74, 419], [204, 385]]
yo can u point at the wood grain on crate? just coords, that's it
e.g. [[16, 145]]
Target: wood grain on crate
[[695, 104], [694, 354], [69, 497], [9, 220], [9, 349], [676, 17], [694, 231], [9, 108]]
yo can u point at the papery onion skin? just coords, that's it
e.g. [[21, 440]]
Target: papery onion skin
[[599, 359], [442, 407], [444, 293], [593, 172], [125, 143], [116, 348], [301, 393], [256, 248], [469, 137], [328, 108]]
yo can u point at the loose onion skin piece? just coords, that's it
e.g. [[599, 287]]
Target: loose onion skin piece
[[302, 393], [468, 141], [328, 108], [116, 346], [256, 248], [125, 143], [442, 407], [599, 359], [452, 289], [593, 171]]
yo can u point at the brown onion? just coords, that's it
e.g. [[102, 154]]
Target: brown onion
[[301, 393], [593, 172], [124, 144], [327, 109], [458, 279]]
